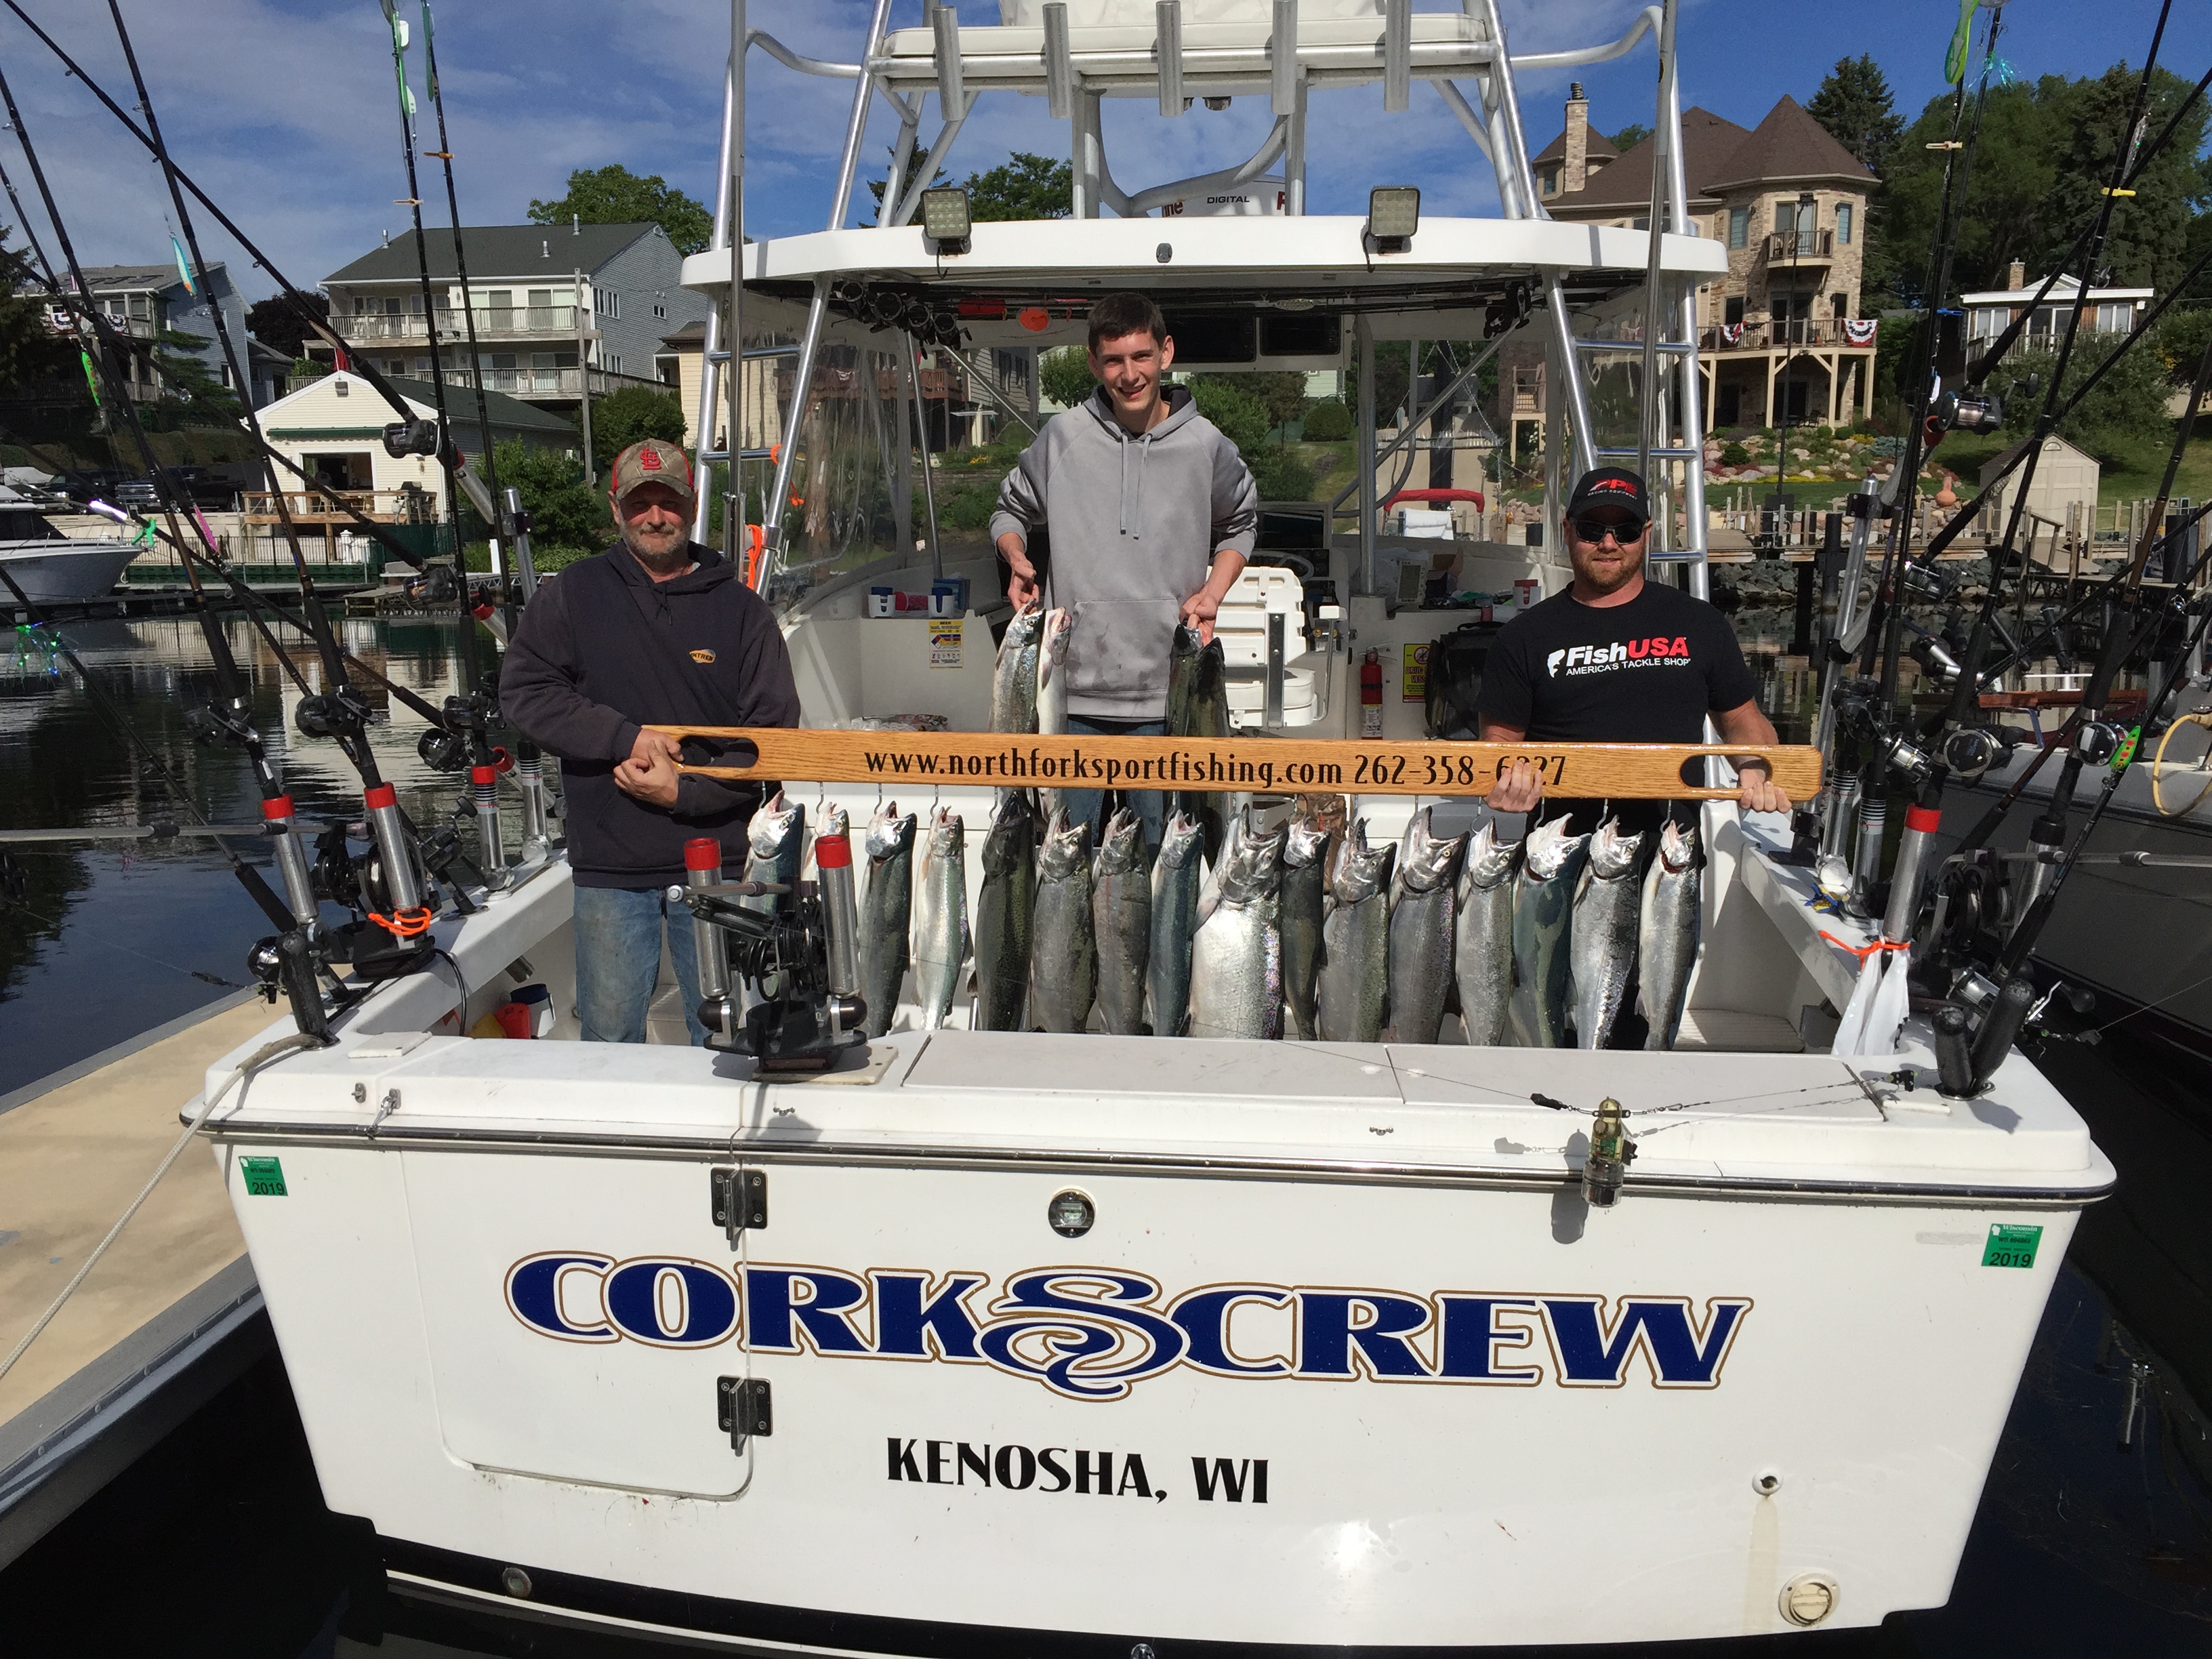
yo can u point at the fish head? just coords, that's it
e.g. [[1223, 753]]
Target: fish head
[[1612, 854], [888, 833], [1066, 847], [1051, 643], [1490, 860], [1013, 837], [1361, 871], [1303, 844], [1253, 869], [948, 836], [773, 826], [1678, 846], [835, 822], [1426, 859], [1121, 846], [1024, 626], [1189, 641], [1182, 839], [1549, 849]]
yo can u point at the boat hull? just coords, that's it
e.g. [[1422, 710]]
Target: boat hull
[[52, 571], [1363, 1407]]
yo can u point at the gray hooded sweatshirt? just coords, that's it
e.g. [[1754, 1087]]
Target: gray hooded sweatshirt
[[1134, 525]]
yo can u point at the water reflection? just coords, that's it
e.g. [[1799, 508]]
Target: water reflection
[[117, 937]]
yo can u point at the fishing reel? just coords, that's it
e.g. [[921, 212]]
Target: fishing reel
[[2098, 741], [1973, 750], [790, 1018], [1860, 715], [227, 719], [339, 714]]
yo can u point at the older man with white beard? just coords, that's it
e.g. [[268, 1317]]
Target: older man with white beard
[[656, 630]]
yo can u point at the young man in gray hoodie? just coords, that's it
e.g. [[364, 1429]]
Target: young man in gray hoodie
[[1151, 514]]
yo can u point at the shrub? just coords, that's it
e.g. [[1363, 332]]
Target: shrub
[[1735, 454], [631, 416], [1329, 421]]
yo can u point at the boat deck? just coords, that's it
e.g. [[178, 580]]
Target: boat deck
[[171, 1312]]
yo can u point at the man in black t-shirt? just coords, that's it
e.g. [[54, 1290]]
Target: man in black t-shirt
[[1617, 658]]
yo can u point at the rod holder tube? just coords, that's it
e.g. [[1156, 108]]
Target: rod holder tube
[[292, 862], [841, 913], [702, 867], [530, 778], [2000, 1025], [1866, 865], [1954, 1060], [401, 880], [1843, 803], [1921, 823], [491, 845]]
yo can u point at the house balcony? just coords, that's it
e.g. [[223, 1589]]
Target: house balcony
[[507, 323], [1817, 333], [551, 385], [1806, 247]]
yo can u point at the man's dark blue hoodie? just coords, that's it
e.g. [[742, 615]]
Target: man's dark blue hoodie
[[603, 649]]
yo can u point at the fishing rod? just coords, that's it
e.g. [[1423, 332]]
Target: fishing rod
[[338, 712], [473, 705]]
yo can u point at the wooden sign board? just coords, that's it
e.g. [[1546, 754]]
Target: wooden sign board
[[1619, 771]]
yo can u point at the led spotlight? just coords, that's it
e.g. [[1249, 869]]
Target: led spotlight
[[1394, 214], [947, 218]]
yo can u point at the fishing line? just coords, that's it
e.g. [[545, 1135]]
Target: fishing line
[[58, 925]]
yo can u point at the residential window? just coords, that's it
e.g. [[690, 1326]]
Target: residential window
[[659, 309], [1551, 182], [606, 302], [141, 309], [1739, 231], [2116, 319], [667, 369], [1843, 223], [1734, 310], [541, 299], [614, 364]]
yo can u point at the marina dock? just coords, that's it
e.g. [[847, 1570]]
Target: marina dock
[[169, 1315]]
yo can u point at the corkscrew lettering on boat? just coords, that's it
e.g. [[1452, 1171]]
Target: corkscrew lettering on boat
[[1091, 1334]]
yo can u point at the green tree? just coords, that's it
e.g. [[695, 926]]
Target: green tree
[[615, 196], [2126, 409], [1245, 421], [201, 399], [1066, 373], [1630, 137], [29, 350], [1328, 421], [2006, 212], [2147, 243], [915, 163], [1024, 186], [1854, 103], [277, 323], [567, 514], [2179, 342], [631, 416]]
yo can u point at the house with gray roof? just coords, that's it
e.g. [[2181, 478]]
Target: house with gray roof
[[1782, 337], [555, 307], [144, 302]]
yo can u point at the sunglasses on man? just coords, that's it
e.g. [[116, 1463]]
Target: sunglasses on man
[[1594, 531]]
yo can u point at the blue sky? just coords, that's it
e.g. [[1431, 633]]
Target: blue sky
[[284, 109]]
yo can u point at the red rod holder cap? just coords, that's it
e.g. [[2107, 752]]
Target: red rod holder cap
[[382, 795], [703, 854], [833, 852], [483, 775], [277, 807], [1926, 819]]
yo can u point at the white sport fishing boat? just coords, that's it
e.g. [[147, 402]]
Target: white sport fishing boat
[[996, 1342], [49, 566]]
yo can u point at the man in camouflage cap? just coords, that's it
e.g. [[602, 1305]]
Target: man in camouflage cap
[[657, 630]]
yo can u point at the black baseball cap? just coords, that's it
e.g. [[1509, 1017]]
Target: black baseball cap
[[1610, 486]]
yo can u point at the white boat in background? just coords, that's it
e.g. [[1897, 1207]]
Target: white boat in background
[[1009, 1343], [48, 566]]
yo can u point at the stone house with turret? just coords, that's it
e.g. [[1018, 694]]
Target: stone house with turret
[[1781, 336]]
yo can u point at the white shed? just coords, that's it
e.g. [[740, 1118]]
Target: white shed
[[333, 429], [2063, 493]]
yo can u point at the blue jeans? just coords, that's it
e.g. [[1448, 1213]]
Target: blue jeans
[[618, 931], [1085, 805]]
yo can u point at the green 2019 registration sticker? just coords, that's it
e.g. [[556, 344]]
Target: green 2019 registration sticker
[[2011, 1247], [265, 1177]]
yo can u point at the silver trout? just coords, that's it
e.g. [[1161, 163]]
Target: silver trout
[[1063, 954], [1198, 706], [1014, 680], [1356, 941], [1482, 957], [1304, 893], [1543, 902], [1602, 942], [1237, 960], [775, 839], [1122, 922], [1422, 907], [1052, 687], [1006, 912], [940, 918], [886, 913], [1667, 937], [1175, 875]]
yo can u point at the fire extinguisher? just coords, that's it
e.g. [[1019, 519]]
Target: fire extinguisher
[[1370, 696]]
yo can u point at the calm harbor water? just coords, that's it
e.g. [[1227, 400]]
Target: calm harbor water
[[217, 1541]]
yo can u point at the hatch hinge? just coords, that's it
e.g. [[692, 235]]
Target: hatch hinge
[[740, 1200], [742, 1407]]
